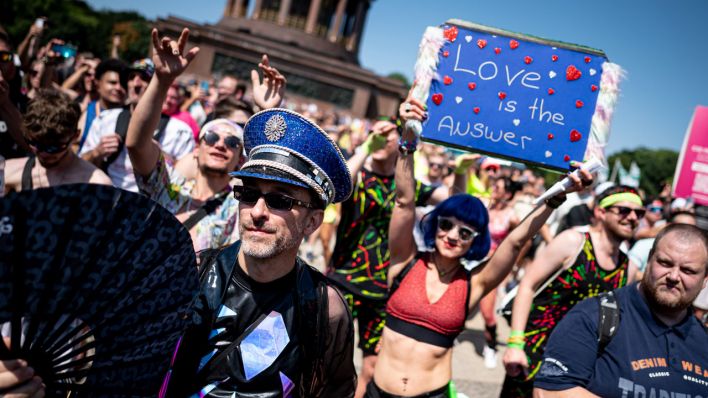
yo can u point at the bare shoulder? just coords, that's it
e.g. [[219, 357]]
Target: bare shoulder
[[94, 174], [568, 240], [13, 173], [338, 309]]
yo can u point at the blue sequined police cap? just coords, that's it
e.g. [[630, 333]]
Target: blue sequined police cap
[[284, 146]]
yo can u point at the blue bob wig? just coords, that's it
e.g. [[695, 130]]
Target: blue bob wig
[[467, 209]]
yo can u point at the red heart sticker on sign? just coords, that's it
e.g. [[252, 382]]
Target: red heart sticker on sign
[[575, 136], [566, 158], [593, 88], [497, 50], [446, 53], [572, 73], [528, 60], [450, 33], [481, 43], [447, 80], [513, 44], [551, 91], [587, 60], [554, 58], [502, 95], [472, 85], [579, 104], [550, 136], [437, 98], [475, 110]]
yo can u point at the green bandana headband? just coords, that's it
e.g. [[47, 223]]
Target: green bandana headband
[[621, 197]]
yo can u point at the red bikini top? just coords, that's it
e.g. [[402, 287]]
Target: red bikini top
[[410, 313]]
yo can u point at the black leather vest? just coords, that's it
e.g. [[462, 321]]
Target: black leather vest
[[302, 303]]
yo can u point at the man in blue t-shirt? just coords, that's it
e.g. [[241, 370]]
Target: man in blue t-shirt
[[659, 350]]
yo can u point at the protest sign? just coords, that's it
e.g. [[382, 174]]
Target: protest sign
[[515, 96], [691, 177]]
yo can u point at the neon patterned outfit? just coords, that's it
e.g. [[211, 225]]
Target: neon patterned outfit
[[361, 256], [583, 279]]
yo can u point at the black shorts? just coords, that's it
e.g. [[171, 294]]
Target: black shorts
[[373, 391], [370, 315]]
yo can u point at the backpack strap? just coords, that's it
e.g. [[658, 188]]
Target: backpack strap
[[27, 174], [122, 131], [161, 127], [609, 320], [208, 208]]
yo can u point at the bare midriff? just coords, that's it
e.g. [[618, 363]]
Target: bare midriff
[[409, 367]]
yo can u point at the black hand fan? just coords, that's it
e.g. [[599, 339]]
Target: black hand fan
[[95, 288]]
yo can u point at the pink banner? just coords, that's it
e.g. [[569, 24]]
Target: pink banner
[[691, 178]]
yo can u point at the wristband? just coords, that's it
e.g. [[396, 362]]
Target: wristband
[[518, 346], [407, 147], [554, 202], [516, 333]]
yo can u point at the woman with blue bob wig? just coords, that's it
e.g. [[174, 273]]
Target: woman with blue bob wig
[[430, 292], [467, 209]]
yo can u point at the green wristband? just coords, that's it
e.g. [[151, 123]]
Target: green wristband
[[518, 346], [515, 333]]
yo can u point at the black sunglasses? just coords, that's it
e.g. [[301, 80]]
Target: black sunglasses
[[274, 200], [466, 234], [623, 211], [211, 138], [5, 56], [48, 148]]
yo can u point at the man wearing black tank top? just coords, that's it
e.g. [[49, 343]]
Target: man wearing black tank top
[[572, 267], [49, 130]]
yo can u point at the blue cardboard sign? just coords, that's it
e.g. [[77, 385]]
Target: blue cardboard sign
[[513, 96]]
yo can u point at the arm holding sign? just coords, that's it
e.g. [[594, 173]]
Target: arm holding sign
[[401, 244]]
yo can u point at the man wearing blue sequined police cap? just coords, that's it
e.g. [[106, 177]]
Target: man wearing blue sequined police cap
[[267, 324], [284, 146]]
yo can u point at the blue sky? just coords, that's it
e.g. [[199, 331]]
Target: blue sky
[[661, 45]]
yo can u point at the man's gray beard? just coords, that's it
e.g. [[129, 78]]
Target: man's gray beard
[[262, 252]]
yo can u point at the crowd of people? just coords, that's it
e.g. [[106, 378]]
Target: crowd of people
[[414, 238]]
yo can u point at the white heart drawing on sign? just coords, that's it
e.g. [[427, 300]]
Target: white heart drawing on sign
[[551, 74], [592, 72], [516, 122], [548, 154], [458, 99], [468, 38]]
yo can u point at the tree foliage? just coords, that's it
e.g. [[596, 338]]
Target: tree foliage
[[75, 22], [657, 166]]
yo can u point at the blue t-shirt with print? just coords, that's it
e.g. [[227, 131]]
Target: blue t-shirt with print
[[645, 358]]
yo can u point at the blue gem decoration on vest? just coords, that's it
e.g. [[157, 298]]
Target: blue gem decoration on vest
[[275, 128], [264, 344], [288, 385]]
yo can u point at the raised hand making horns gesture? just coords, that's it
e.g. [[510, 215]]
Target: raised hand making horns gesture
[[169, 56]]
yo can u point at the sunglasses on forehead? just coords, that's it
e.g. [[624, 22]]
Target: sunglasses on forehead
[[211, 138], [274, 200], [465, 234], [623, 211]]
